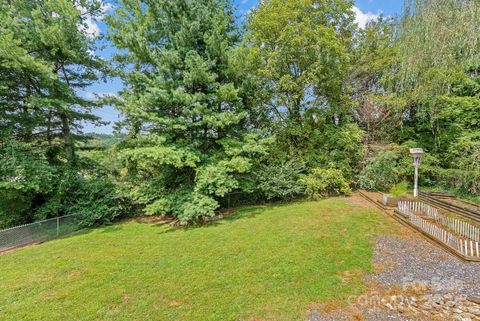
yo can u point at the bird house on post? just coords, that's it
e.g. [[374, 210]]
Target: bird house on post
[[417, 157]]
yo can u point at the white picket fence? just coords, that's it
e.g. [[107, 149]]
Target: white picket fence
[[415, 207], [470, 246], [460, 227]]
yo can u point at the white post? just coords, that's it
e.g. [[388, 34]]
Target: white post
[[417, 155], [415, 184]]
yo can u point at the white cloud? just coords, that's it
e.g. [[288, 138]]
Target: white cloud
[[362, 18], [94, 96], [245, 13], [92, 29]]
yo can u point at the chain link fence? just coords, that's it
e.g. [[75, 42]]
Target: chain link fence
[[38, 232]]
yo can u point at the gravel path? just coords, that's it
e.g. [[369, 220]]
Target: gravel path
[[415, 260], [429, 284]]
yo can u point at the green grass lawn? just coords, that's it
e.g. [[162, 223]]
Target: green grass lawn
[[263, 263]]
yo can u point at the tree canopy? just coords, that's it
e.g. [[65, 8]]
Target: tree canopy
[[296, 100], [185, 105]]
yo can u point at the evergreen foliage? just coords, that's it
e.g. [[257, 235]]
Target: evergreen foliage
[[296, 101], [185, 104], [46, 58]]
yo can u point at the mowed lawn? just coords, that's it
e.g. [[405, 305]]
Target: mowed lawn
[[262, 263]]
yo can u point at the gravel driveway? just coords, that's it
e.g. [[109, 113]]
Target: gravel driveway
[[413, 280], [414, 259]]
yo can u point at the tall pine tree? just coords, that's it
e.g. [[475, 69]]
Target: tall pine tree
[[46, 57], [185, 108]]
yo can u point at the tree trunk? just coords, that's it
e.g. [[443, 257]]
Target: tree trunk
[[67, 139], [49, 128]]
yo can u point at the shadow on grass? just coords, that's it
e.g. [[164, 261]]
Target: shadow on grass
[[232, 215], [240, 213], [114, 227]]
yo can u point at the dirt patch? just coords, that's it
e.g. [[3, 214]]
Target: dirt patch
[[156, 220], [174, 303], [358, 200], [348, 276], [10, 250], [383, 266], [256, 319], [74, 274]]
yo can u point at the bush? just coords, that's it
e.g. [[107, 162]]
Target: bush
[[14, 208], [382, 172], [197, 206], [389, 168], [465, 152], [97, 200], [25, 176], [325, 182], [327, 145], [456, 180], [33, 187], [279, 181], [399, 190]]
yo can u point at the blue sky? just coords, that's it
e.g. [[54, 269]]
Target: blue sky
[[364, 9]]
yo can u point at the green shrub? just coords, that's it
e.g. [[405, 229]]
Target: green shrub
[[465, 152], [392, 167], [324, 182], [197, 206], [463, 182], [279, 181], [382, 172], [25, 177], [98, 202], [95, 199], [14, 207], [399, 190]]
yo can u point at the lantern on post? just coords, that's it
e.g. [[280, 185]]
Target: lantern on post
[[417, 157]]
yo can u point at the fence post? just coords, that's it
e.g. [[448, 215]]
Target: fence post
[[58, 226]]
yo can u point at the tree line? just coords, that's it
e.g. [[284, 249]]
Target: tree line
[[294, 100]]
